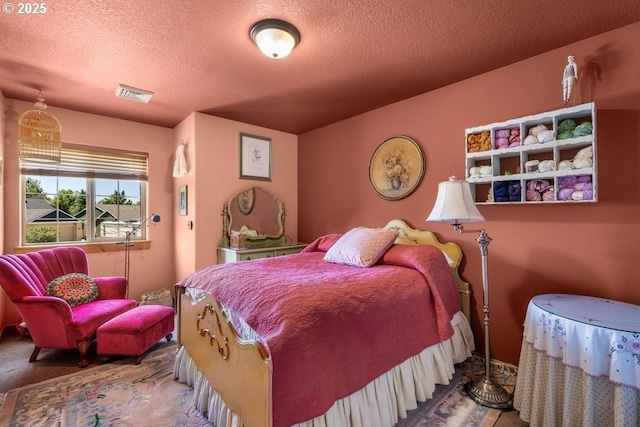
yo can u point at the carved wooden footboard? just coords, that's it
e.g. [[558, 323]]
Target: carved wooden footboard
[[240, 371]]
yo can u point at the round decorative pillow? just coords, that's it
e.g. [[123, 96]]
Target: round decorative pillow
[[74, 288]]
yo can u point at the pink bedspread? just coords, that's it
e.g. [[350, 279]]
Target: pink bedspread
[[331, 329]]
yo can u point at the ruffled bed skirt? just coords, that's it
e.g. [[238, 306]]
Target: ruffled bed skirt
[[381, 403]]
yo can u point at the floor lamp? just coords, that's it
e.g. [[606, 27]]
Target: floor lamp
[[455, 205], [127, 245]]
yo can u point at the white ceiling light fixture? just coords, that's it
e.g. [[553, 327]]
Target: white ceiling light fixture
[[275, 38], [133, 93], [39, 134]]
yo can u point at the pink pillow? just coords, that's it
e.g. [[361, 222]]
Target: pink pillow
[[361, 246]]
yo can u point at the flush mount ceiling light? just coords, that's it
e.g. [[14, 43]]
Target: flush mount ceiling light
[[39, 134], [275, 38]]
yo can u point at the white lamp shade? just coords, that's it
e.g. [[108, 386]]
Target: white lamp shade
[[454, 203], [275, 43]]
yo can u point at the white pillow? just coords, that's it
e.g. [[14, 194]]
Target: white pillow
[[361, 246]]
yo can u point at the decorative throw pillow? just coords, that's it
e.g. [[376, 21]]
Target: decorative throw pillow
[[361, 246], [74, 288]]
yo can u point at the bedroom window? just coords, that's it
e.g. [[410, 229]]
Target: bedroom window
[[93, 195]]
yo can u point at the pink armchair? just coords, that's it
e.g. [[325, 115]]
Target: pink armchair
[[51, 321]]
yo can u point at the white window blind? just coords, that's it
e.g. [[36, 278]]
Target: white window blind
[[92, 162]]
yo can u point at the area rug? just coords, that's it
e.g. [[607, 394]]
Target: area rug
[[147, 395], [451, 407], [107, 395]]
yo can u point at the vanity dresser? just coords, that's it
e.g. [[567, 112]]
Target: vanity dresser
[[253, 227]]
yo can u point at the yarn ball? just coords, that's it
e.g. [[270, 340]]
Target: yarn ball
[[515, 143], [586, 152], [546, 136], [537, 129], [582, 195], [546, 166], [584, 178], [567, 181], [565, 193], [583, 186], [502, 142], [583, 129], [514, 135], [500, 189], [533, 196], [531, 166], [530, 139], [486, 171], [502, 133], [514, 191], [565, 165], [567, 125], [565, 135], [577, 195], [547, 195], [538, 185], [582, 162]]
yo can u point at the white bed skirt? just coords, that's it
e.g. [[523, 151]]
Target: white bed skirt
[[381, 403]]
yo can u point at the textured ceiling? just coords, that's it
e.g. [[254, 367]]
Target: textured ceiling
[[354, 56]]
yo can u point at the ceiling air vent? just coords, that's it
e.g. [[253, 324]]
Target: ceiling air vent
[[134, 94]]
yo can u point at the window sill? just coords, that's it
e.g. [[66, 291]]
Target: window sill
[[91, 248]]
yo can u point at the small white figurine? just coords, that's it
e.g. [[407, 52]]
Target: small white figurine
[[568, 78]]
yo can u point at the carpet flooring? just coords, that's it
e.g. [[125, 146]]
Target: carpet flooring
[[85, 399]]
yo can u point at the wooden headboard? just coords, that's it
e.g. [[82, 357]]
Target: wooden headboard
[[412, 236]]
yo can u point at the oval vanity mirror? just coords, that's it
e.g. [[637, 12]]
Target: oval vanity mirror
[[256, 213]]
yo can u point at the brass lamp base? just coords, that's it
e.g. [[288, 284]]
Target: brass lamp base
[[487, 393]]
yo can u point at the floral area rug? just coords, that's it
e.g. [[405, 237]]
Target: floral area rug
[[147, 395], [107, 395]]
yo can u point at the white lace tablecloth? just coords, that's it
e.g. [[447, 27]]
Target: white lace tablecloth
[[579, 363]]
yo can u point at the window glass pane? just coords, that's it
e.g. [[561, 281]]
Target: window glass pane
[[54, 209], [131, 189], [72, 196], [117, 207]]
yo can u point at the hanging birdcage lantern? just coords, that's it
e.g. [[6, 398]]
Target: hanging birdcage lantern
[[39, 134]]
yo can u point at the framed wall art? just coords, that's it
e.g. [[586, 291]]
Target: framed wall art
[[396, 167], [182, 200], [255, 157]]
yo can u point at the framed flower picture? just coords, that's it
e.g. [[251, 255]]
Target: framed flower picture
[[396, 167], [255, 157]]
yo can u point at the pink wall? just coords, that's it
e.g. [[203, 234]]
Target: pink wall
[[150, 269], [586, 249], [184, 242], [212, 156], [212, 149], [5, 315]]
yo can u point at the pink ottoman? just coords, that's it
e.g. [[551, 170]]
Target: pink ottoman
[[135, 331]]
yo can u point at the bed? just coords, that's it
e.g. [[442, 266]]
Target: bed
[[360, 359]]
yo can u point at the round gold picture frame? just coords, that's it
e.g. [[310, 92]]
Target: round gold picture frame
[[396, 167]]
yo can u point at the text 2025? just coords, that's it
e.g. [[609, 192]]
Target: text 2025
[[32, 8]]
